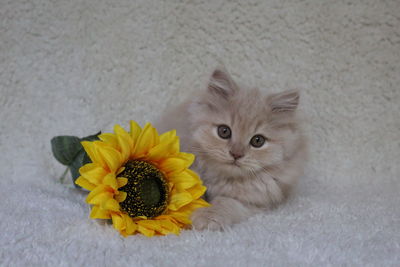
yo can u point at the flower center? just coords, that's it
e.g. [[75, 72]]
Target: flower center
[[147, 191]]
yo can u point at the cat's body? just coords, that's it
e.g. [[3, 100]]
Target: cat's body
[[249, 148]]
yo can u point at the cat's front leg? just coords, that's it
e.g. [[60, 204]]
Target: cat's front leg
[[223, 212]]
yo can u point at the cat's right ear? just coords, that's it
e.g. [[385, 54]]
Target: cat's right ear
[[285, 102], [221, 84]]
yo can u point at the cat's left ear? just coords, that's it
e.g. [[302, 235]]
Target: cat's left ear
[[284, 102], [221, 84]]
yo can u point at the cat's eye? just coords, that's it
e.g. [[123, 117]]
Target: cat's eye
[[224, 132], [257, 141]]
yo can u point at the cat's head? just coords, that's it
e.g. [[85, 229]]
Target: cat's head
[[240, 131]]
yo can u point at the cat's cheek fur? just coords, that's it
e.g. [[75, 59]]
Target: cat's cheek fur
[[272, 154], [208, 145]]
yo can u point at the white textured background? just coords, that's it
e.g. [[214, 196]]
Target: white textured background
[[75, 67]]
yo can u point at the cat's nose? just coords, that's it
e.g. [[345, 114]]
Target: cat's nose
[[236, 155]]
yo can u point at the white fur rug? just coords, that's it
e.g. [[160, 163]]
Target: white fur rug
[[75, 67]]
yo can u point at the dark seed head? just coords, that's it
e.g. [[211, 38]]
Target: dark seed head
[[147, 191]]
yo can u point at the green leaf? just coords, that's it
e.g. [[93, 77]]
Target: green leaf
[[65, 148], [79, 161], [69, 151]]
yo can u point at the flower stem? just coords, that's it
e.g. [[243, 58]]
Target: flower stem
[[62, 177]]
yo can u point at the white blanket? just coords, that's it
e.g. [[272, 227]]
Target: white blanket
[[76, 67]]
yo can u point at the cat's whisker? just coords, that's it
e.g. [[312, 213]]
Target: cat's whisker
[[208, 150], [268, 172]]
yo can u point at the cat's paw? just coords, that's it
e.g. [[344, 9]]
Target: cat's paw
[[206, 219]]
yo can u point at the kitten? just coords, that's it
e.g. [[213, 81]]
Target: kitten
[[249, 148]]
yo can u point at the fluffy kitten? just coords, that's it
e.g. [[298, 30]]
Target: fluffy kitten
[[249, 148]]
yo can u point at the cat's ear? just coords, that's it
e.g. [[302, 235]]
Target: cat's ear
[[221, 84], [284, 102]]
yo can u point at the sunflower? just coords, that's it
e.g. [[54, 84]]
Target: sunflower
[[141, 181]]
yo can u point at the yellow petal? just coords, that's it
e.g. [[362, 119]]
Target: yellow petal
[[111, 180], [164, 149], [131, 227], [185, 179], [197, 191], [101, 198], [169, 227], [111, 156], [111, 204], [93, 173], [125, 142], [200, 203], [150, 224], [121, 196], [98, 213], [173, 165], [166, 217], [171, 141], [168, 136], [184, 213], [109, 138], [82, 182], [122, 181], [181, 217], [179, 200], [118, 222], [145, 231], [196, 204], [92, 153], [139, 218], [188, 157], [135, 131], [98, 190], [147, 139], [120, 170]]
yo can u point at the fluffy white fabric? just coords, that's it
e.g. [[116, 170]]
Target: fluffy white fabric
[[75, 67]]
